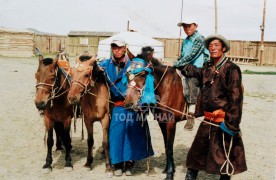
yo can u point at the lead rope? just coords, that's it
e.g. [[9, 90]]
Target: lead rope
[[82, 133], [147, 137], [227, 163], [75, 117]]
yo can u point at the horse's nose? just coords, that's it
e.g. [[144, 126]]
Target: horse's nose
[[40, 105], [73, 100]]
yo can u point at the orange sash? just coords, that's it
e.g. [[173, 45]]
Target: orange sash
[[216, 116], [119, 103]]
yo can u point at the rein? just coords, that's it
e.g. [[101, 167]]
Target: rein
[[161, 78]]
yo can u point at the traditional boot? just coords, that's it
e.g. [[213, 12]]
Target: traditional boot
[[128, 167], [191, 120], [191, 174], [224, 177]]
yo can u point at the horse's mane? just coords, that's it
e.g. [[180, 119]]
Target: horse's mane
[[159, 68], [47, 61], [156, 62], [98, 73], [83, 58]]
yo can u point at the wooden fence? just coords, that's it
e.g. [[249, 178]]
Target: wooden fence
[[50, 43], [249, 51], [19, 43], [16, 42], [85, 40], [241, 51]]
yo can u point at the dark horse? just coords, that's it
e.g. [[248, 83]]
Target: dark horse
[[52, 87], [170, 104], [89, 88]]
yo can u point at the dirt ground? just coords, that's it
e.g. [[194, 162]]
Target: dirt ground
[[23, 153]]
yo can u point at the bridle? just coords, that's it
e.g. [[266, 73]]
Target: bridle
[[85, 85], [54, 89], [133, 85]]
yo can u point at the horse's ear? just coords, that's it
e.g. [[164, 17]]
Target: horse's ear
[[40, 58], [129, 54], [55, 60], [78, 60], [92, 60]]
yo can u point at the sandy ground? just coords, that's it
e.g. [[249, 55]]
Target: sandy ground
[[23, 153]]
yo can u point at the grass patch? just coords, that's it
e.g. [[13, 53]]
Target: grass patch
[[258, 72]]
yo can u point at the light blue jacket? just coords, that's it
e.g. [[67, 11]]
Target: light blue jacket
[[192, 53]]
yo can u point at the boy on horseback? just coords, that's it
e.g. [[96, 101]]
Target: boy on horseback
[[193, 52]]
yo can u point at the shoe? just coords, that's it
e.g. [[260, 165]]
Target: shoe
[[118, 172], [128, 167], [118, 169], [189, 124], [128, 172], [190, 121]]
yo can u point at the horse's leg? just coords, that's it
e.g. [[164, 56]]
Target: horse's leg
[[163, 128], [90, 142], [67, 143], [105, 144], [50, 143], [58, 129], [171, 128]]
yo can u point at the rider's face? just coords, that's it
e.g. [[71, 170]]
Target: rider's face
[[117, 51], [190, 29], [216, 49]]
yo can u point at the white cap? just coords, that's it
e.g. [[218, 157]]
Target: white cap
[[187, 20], [119, 41]]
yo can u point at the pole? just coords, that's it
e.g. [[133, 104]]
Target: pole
[[179, 41], [216, 17], [262, 27], [128, 25]]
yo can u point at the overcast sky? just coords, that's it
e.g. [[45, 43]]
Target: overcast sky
[[237, 19]]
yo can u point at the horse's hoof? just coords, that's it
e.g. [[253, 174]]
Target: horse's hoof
[[68, 169], [169, 176], [88, 166], [46, 170]]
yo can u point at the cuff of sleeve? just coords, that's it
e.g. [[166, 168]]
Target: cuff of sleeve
[[225, 129]]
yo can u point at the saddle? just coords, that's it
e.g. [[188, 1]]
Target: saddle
[[64, 64]]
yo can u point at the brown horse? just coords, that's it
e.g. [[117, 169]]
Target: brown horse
[[52, 87], [170, 104], [89, 88]]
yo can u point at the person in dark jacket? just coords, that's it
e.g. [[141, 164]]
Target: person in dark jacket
[[218, 146]]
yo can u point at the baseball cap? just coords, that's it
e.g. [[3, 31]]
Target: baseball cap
[[119, 41], [187, 20]]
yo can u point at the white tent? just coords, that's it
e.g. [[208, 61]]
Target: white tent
[[135, 41]]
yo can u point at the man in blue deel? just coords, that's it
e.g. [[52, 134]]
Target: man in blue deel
[[129, 140]]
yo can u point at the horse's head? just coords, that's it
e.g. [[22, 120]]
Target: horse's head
[[46, 77], [140, 89], [81, 78]]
